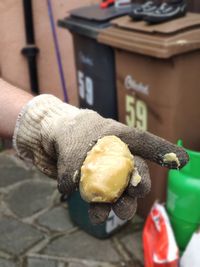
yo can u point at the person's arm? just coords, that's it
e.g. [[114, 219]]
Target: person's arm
[[12, 100]]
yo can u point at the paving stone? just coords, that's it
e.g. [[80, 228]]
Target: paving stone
[[83, 246], [4, 255], [31, 262], [10, 172], [133, 243], [41, 176], [7, 160], [7, 263], [12, 175], [16, 237], [56, 219], [30, 197]]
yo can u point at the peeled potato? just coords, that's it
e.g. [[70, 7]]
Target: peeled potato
[[105, 173]]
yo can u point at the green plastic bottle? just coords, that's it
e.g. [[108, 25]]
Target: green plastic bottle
[[183, 199]]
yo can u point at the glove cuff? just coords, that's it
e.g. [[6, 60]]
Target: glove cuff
[[34, 135]]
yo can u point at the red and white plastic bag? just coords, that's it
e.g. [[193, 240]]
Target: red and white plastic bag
[[160, 248]]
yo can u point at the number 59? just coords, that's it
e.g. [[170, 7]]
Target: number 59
[[136, 113]]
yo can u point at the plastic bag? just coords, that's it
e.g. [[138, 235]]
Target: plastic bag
[[160, 248]]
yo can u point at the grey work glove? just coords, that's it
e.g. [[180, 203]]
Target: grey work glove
[[56, 137]]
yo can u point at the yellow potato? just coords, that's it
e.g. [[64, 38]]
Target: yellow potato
[[105, 173]]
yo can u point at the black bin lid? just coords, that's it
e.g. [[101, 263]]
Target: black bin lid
[[97, 14], [89, 20]]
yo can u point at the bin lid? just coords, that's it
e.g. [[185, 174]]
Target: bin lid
[[98, 14], [89, 20], [82, 27], [159, 40]]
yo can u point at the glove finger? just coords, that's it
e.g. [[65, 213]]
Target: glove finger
[[144, 186], [125, 207], [152, 147], [98, 212], [67, 185]]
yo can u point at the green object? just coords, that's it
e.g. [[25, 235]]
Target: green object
[[183, 199], [78, 210]]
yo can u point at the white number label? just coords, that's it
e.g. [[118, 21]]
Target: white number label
[[136, 113], [86, 89], [81, 84], [113, 222], [89, 90]]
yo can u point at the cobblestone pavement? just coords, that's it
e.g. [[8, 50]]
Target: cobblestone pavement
[[36, 230]]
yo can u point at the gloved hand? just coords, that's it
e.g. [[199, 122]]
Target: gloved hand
[[56, 137]]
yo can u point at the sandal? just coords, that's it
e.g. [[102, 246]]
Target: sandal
[[167, 11], [138, 13]]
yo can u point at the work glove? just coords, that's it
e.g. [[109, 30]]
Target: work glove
[[56, 137]]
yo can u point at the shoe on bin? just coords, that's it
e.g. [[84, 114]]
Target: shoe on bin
[[138, 13], [167, 11]]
